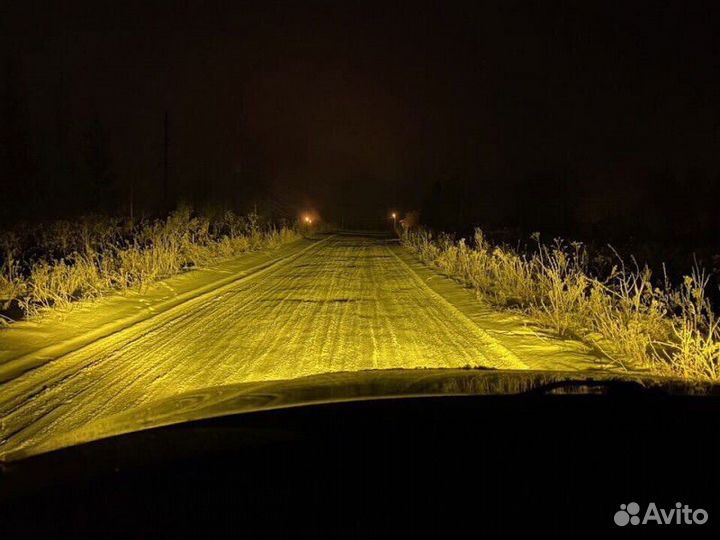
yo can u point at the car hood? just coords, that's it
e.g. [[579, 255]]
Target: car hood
[[353, 386]]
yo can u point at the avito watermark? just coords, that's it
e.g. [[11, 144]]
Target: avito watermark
[[679, 515]]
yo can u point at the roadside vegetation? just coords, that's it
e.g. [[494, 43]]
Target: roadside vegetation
[[636, 321], [54, 264]]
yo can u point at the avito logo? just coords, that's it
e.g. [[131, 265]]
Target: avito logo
[[680, 515]]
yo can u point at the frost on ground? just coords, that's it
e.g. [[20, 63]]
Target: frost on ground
[[336, 303]]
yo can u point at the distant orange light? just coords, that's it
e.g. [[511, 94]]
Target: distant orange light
[[394, 215]]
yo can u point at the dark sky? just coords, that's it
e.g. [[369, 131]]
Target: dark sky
[[357, 107]]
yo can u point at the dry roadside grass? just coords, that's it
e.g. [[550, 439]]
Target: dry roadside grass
[[51, 266], [668, 330]]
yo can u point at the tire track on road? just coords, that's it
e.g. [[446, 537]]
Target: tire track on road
[[493, 348], [26, 362], [346, 303], [22, 388]]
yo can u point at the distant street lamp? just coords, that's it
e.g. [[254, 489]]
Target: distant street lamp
[[394, 218]]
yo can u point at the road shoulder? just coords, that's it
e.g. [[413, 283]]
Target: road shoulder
[[533, 345], [33, 339]]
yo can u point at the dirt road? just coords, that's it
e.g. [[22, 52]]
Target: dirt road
[[342, 302]]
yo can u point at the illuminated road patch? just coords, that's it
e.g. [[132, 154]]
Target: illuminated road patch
[[343, 304]]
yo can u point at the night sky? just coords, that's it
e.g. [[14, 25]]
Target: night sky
[[566, 116]]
